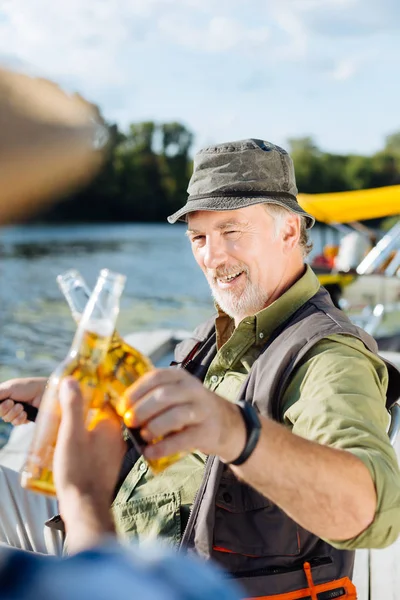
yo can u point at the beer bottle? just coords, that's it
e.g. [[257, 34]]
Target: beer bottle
[[84, 360], [121, 367]]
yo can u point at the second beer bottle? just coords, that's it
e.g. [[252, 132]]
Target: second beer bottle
[[88, 351], [123, 364]]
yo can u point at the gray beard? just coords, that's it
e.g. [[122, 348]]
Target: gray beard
[[250, 302]]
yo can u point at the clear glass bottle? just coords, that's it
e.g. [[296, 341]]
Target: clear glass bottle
[[126, 363], [123, 364], [84, 362]]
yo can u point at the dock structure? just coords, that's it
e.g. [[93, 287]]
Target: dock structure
[[376, 573]]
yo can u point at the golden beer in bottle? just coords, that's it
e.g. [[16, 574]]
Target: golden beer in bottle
[[122, 365], [83, 362]]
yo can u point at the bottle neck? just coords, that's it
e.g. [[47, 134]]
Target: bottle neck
[[97, 323], [76, 292]]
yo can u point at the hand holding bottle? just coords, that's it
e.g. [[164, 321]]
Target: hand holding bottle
[[86, 467], [83, 362], [14, 392], [122, 366]]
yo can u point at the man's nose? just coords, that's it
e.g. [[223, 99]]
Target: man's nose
[[214, 254]]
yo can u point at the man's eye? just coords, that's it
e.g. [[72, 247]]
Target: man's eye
[[197, 238], [231, 232]]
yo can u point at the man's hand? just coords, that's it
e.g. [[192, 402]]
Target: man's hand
[[86, 467], [29, 389], [173, 405]]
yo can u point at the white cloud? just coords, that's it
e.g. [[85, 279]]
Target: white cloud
[[339, 18], [219, 34], [85, 43], [344, 70], [71, 39], [77, 40], [295, 43]]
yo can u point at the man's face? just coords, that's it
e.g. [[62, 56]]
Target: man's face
[[242, 257]]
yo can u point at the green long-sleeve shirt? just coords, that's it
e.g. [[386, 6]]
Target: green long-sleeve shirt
[[336, 396]]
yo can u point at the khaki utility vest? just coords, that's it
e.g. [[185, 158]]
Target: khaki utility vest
[[231, 523]]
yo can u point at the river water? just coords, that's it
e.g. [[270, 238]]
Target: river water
[[164, 289]]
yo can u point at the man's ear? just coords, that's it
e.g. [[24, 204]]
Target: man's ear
[[291, 231]]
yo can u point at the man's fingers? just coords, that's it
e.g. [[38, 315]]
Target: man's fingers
[[24, 390], [20, 420], [5, 407], [183, 441], [13, 412], [145, 384], [175, 419], [153, 404]]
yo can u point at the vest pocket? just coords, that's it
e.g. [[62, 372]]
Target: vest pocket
[[141, 519], [248, 523]]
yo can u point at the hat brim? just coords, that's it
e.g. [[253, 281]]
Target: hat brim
[[233, 203]]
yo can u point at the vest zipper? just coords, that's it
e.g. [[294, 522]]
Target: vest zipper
[[194, 509], [196, 503]]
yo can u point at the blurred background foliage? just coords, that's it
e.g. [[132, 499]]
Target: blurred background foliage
[[147, 169]]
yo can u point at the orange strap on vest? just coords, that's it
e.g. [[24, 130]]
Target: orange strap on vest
[[343, 586]]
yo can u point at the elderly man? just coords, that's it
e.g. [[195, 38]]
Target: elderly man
[[279, 401]]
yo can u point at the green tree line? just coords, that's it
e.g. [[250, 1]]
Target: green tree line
[[145, 175]]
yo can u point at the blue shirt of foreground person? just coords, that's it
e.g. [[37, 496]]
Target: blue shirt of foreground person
[[86, 466]]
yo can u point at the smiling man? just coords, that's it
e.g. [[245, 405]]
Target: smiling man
[[280, 390], [229, 248], [278, 401]]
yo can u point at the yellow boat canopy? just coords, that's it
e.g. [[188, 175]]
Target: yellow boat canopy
[[358, 205]]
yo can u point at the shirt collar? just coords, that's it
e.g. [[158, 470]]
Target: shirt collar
[[268, 319]]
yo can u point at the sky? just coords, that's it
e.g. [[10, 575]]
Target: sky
[[227, 69]]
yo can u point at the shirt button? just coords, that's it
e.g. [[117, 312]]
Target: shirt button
[[142, 467], [261, 335], [214, 378]]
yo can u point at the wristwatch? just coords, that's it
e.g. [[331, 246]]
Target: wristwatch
[[253, 428]]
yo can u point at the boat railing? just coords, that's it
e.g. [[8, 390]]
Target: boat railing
[[393, 267], [381, 252], [372, 317]]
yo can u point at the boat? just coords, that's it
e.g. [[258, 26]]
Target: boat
[[368, 291]]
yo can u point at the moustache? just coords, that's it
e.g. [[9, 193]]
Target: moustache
[[214, 274]]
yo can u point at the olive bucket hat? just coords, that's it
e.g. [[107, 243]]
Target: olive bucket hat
[[238, 174]]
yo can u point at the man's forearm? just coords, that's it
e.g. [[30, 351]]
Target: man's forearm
[[327, 491]]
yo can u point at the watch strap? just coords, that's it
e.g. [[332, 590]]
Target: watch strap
[[253, 428]]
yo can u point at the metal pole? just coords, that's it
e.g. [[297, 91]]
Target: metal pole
[[382, 250]]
